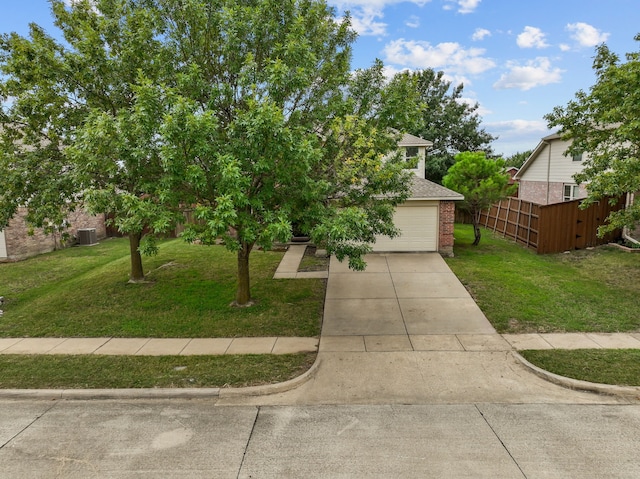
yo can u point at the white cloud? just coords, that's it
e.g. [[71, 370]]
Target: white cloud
[[374, 4], [464, 6], [413, 21], [480, 34], [535, 73], [586, 35], [564, 47], [450, 57], [516, 135], [365, 21], [366, 15], [518, 127], [532, 37], [472, 102]]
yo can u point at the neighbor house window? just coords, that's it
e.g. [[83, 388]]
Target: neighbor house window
[[571, 192], [577, 157], [410, 154]]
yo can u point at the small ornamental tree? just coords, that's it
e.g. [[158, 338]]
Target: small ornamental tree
[[605, 123], [481, 180]]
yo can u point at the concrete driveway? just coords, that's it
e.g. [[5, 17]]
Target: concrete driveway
[[406, 331], [398, 299]]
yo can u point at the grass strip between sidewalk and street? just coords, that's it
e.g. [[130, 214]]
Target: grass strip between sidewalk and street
[[119, 372], [606, 366]]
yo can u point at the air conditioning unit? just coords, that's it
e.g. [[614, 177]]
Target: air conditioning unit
[[87, 236]]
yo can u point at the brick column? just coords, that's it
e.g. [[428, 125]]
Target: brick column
[[447, 219]]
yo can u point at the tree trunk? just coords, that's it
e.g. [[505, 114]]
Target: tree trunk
[[243, 293], [137, 274], [476, 228]]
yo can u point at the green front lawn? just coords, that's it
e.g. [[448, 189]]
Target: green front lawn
[[589, 290], [521, 292], [83, 292]]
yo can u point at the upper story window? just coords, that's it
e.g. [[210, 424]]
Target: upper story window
[[410, 153], [577, 157]]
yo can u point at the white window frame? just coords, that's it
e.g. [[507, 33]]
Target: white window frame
[[408, 157], [570, 192]]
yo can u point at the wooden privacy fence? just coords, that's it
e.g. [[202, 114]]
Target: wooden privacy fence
[[551, 228]]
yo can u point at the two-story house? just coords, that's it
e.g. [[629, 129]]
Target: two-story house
[[547, 175]]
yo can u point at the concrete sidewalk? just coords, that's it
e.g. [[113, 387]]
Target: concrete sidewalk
[[158, 346], [328, 343]]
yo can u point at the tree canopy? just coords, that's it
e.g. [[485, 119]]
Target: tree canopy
[[81, 114], [267, 126], [450, 122], [246, 112], [481, 180], [605, 123]]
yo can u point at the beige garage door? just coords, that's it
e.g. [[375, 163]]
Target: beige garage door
[[418, 223]]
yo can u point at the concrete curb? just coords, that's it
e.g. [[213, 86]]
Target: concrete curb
[[160, 393], [86, 394], [269, 389], [626, 392]]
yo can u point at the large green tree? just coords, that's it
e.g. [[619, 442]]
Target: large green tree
[[450, 122], [247, 112], [34, 121], [80, 128], [605, 123], [266, 125], [481, 180]]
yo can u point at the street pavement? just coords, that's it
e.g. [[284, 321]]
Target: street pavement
[[198, 439], [411, 381]]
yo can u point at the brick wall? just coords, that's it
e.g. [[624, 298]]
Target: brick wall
[[20, 244], [536, 192], [447, 220]]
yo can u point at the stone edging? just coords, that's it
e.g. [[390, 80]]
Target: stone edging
[[627, 392], [625, 248]]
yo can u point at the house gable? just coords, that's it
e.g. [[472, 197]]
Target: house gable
[[545, 174]]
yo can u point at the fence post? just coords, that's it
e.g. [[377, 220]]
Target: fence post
[[518, 222], [529, 226]]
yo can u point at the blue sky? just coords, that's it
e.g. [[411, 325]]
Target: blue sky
[[516, 58]]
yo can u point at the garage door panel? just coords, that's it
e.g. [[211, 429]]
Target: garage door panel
[[418, 224]]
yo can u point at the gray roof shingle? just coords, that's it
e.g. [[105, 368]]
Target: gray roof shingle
[[422, 189]]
